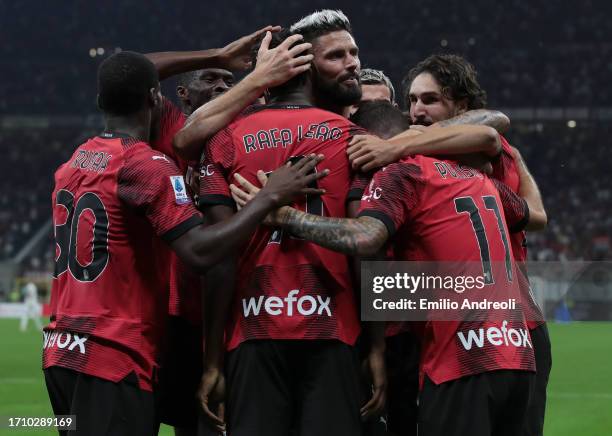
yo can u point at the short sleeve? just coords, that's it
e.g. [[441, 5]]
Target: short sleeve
[[359, 180], [359, 184], [391, 195], [154, 186], [171, 120], [515, 208], [504, 166], [215, 167]]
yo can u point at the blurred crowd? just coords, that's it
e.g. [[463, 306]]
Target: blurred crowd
[[572, 168], [570, 165], [26, 183], [529, 54]]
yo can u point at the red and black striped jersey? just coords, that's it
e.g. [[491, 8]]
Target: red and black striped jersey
[[506, 171], [437, 210], [115, 202], [185, 286], [288, 288]]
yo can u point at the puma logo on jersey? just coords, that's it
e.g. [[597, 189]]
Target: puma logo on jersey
[[63, 340], [495, 336], [156, 157], [275, 306]]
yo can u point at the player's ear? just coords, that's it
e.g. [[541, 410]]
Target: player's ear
[[182, 93], [155, 96], [462, 105]]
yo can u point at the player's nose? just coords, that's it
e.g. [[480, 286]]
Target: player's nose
[[221, 86], [419, 108], [352, 63]]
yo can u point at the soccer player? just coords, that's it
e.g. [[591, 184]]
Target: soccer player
[[444, 86], [291, 362], [419, 207], [375, 85], [203, 77], [118, 208], [31, 309]]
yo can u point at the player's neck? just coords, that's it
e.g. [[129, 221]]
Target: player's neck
[[327, 105], [293, 97], [133, 126]]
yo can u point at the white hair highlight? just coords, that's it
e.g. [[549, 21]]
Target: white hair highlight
[[321, 19]]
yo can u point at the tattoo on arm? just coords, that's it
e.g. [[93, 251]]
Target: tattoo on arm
[[483, 117], [355, 236]]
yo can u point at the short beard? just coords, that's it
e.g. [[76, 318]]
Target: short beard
[[335, 93]]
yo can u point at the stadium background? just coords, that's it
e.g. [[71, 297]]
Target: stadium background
[[546, 64]]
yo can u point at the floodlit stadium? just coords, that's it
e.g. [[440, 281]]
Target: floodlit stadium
[[238, 218]]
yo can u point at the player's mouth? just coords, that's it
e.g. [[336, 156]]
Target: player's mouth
[[350, 80], [351, 83]]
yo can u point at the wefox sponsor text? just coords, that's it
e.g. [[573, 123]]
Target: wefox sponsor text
[[289, 306], [502, 336]]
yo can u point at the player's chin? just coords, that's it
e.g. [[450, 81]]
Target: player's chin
[[350, 94]]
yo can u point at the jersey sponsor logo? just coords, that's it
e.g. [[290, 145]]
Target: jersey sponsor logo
[[498, 337], [289, 306], [180, 192], [65, 340], [158, 157]]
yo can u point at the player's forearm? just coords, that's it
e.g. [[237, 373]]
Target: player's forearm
[[484, 117], [358, 237], [452, 140], [528, 190], [375, 331], [220, 287], [214, 115], [202, 247], [170, 63]]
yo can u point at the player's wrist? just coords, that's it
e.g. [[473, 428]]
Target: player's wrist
[[257, 81], [222, 57], [267, 199]]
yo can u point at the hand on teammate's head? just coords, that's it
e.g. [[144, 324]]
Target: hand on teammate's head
[[277, 65], [236, 55]]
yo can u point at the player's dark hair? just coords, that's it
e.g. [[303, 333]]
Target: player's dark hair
[[380, 118], [293, 83], [456, 76], [321, 23], [124, 81]]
